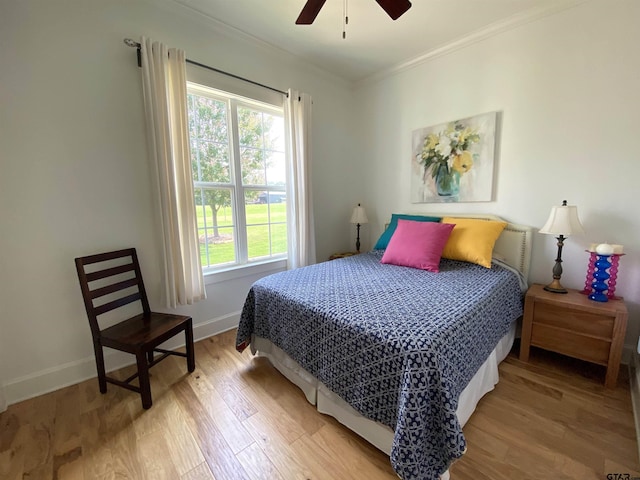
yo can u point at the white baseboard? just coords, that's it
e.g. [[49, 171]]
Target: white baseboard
[[634, 377], [627, 354], [61, 376]]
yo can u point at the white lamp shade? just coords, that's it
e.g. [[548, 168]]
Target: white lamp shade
[[563, 220], [359, 215]]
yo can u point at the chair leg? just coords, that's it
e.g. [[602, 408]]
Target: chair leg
[[188, 337], [143, 378], [150, 356], [102, 376]]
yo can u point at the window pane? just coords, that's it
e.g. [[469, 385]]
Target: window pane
[[258, 241], [218, 250], [210, 162], [255, 208], [250, 197], [215, 226], [208, 119], [278, 238], [208, 131], [250, 127], [266, 236], [276, 169], [278, 211], [273, 132], [252, 166]]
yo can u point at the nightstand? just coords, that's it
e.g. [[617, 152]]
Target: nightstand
[[573, 325], [342, 255]]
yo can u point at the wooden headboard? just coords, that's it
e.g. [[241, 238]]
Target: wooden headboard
[[513, 244]]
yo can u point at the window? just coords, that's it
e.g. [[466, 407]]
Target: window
[[239, 175]]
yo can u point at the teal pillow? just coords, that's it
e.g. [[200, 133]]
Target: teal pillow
[[383, 241]]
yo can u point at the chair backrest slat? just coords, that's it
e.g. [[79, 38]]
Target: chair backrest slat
[[101, 292], [103, 257], [110, 272], [114, 288], [120, 302]]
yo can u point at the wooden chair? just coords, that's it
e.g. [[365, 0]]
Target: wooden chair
[[139, 335]]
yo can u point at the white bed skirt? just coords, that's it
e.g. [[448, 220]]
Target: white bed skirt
[[375, 433]]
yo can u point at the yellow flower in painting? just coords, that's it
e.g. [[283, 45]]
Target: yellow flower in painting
[[432, 141], [463, 135], [462, 163]]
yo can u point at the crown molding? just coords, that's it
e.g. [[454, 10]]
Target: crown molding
[[222, 28], [472, 38]]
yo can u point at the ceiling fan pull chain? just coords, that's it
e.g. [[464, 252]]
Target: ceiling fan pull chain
[[345, 21]]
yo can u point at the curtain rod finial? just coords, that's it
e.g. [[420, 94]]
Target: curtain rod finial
[[131, 43]]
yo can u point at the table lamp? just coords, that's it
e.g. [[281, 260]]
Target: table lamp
[[563, 221], [359, 217]]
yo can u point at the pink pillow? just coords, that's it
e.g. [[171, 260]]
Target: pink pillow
[[417, 244]]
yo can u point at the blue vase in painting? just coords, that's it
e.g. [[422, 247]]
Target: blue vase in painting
[[447, 181]]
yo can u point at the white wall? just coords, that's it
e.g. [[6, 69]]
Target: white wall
[[567, 89], [74, 178]]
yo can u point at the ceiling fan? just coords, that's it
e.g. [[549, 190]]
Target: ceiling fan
[[394, 8]]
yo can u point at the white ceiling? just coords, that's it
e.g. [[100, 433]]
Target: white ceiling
[[374, 43]]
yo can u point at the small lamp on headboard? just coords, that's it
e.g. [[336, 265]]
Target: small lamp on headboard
[[563, 221], [359, 217]]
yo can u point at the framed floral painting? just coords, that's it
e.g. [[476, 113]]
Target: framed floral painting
[[453, 162]]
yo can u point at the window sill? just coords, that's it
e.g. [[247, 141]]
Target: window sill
[[238, 271]]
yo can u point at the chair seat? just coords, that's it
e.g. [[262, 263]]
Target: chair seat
[[143, 329]]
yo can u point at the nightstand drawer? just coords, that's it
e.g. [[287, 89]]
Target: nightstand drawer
[[574, 320], [569, 343]]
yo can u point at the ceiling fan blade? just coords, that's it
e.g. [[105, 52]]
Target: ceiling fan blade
[[394, 8], [309, 12]]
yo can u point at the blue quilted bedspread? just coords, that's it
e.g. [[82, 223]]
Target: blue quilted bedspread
[[398, 344]]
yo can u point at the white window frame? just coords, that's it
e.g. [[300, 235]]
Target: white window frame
[[243, 266]]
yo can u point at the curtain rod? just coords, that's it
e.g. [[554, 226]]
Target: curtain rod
[[132, 43]]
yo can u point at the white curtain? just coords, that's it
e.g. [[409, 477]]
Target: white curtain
[[302, 244], [165, 101]]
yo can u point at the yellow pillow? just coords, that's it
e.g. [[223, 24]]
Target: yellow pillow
[[472, 240]]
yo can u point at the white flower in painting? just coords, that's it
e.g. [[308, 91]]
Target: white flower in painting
[[444, 147]]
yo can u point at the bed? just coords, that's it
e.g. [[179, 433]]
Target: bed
[[399, 355]]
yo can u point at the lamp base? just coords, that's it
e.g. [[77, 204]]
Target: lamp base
[[556, 287]]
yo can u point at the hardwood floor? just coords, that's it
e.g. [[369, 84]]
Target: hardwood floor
[[236, 417]]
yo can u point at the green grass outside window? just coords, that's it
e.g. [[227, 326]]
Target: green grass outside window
[[258, 237]]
